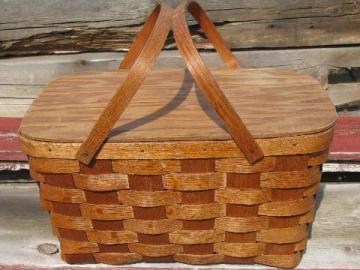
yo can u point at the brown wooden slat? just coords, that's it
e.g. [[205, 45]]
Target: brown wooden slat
[[242, 24]]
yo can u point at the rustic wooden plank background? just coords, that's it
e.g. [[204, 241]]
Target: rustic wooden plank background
[[48, 26]]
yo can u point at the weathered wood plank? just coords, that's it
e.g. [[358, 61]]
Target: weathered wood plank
[[9, 145], [344, 94], [15, 101], [24, 77], [8, 110], [39, 70], [346, 143], [80, 25], [341, 167], [23, 91], [334, 242]]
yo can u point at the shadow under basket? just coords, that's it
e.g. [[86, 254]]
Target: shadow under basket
[[181, 178]]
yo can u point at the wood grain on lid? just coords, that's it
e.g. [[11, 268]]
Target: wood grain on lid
[[170, 107]]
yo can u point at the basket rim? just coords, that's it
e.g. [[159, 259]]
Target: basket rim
[[291, 145]]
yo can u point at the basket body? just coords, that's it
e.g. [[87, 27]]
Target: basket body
[[178, 175], [190, 210]]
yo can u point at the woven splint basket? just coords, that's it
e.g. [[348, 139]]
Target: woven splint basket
[[155, 165]]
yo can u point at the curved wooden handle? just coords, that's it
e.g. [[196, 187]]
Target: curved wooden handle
[[211, 33], [206, 81], [140, 40], [139, 61]]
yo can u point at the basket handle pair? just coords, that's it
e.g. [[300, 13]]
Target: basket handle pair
[[141, 58]]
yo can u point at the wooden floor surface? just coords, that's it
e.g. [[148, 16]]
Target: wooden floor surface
[[334, 244]]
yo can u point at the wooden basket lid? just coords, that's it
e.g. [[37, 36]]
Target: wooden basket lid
[[170, 107]]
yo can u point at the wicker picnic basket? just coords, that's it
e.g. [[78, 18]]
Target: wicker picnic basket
[[179, 176]]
